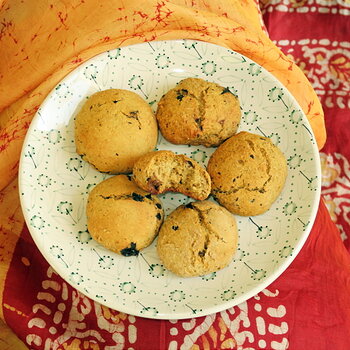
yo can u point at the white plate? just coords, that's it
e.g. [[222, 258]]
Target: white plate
[[55, 182]]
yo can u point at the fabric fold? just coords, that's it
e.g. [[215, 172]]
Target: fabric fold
[[36, 56]]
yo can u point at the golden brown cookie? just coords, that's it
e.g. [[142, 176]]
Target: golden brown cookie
[[197, 239], [248, 173], [197, 112], [113, 129], [122, 217], [163, 171]]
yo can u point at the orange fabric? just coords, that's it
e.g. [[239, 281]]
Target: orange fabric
[[11, 225], [40, 42]]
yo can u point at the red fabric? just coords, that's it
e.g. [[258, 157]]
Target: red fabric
[[308, 307]]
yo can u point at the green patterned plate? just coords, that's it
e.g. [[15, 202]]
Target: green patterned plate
[[55, 182]]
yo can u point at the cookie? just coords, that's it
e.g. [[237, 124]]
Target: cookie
[[122, 217], [248, 173], [197, 239], [197, 112], [163, 171], [113, 129]]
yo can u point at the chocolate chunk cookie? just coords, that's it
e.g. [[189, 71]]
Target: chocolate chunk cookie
[[122, 217], [197, 112], [197, 239], [113, 129], [163, 171], [248, 173]]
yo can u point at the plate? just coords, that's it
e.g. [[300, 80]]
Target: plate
[[55, 182]]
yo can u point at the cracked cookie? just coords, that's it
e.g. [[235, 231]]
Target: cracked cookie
[[197, 239], [197, 112], [113, 129], [164, 171], [122, 217], [248, 173]]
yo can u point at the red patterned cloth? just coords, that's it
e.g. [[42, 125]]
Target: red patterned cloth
[[307, 307]]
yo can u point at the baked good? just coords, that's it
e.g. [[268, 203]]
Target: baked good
[[197, 239], [122, 217], [198, 112], [163, 171], [248, 173], [113, 129]]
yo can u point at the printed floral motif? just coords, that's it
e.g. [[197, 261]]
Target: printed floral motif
[[339, 66], [336, 189], [328, 74], [327, 67]]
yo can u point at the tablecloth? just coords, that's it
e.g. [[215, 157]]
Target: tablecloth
[[308, 307]]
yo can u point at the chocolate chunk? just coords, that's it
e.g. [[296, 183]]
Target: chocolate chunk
[[149, 196], [134, 114], [159, 206], [137, 197], [130, 251], [225, 91], [202, 253], [158, 216], [175, 228], [154, 183], [181, 94]]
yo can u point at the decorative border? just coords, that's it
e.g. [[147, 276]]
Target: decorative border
[[320, 6]]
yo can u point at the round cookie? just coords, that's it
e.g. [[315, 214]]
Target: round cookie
[[197, 112], [197, 239], [163, 171], [113, 129], [122, 217], [248, 173]]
